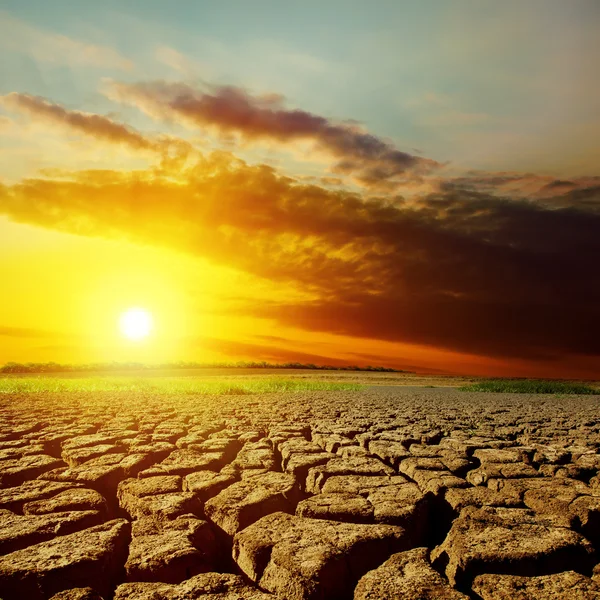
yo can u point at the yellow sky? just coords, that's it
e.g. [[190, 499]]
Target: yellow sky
[[65, 295]]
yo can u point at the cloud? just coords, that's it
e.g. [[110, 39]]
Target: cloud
[[172, 152], [274, 338], [242, 350], [231, 110], [583, 196], [179, 62], [25, 332], [462, 270], [397, 362], [580, 191], [49, 47], [100, 127]]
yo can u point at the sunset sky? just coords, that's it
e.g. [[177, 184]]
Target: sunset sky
[[399, 183]]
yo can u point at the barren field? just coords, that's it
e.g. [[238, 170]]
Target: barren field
[[380, 494]]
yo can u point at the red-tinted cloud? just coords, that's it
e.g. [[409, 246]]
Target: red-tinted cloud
[[102, 128], [369, 159]]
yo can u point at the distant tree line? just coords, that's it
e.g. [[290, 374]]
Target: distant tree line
[[52, 367]]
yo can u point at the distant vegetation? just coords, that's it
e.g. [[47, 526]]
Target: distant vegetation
[[166, 385], [52, 367], [529, 386]]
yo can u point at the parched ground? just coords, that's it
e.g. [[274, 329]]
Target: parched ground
[[382, 494]]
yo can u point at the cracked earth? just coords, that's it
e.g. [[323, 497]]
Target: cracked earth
[[412, 494]]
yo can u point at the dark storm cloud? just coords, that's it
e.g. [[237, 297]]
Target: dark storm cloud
[[559, 184], [461, 270], [581, 191], [584, 197]]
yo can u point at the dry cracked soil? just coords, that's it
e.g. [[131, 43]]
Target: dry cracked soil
[[375, 495]]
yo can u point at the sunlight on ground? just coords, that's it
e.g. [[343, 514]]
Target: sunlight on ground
[[168, 385]]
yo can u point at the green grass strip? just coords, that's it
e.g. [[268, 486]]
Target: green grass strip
[[166, 385], [529, 386]]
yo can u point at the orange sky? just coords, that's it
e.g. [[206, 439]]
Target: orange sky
[[253, 227]]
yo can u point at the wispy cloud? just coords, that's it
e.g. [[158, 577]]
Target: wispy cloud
[[98, 126], [231, 110], [187, 67], [170, 150], [243, 350], [49, 47], [24, 332], [442, 110]]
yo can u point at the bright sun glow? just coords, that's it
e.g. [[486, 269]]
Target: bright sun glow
[[136, 323]]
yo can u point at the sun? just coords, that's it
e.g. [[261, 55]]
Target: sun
[[136, 323]]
